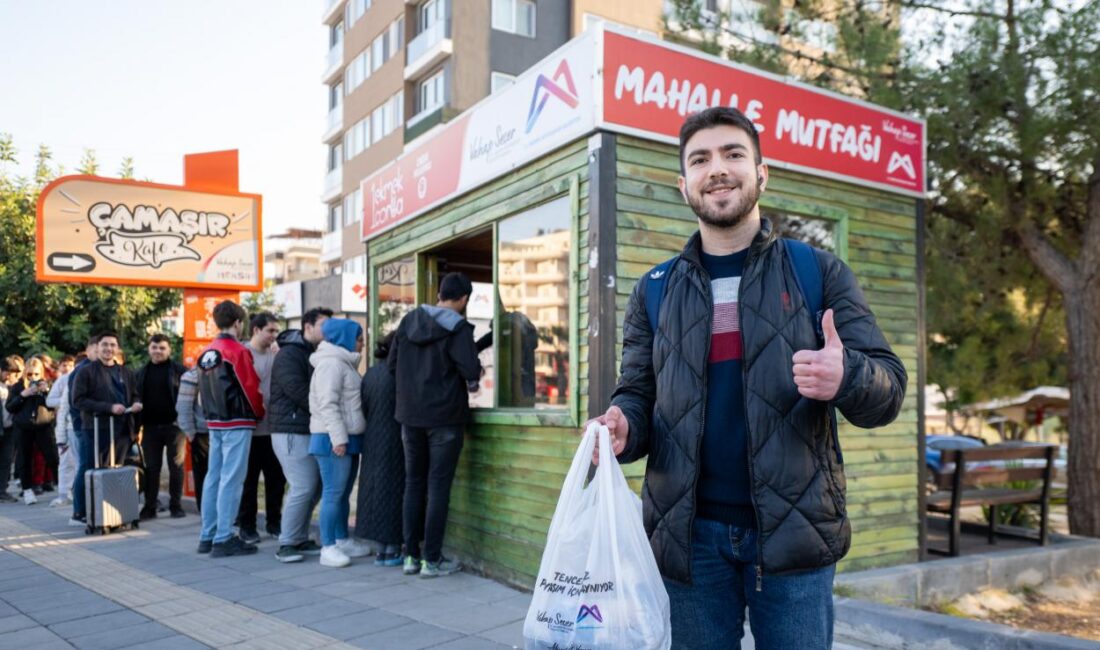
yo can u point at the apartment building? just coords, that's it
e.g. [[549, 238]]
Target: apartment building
[[397, 69]]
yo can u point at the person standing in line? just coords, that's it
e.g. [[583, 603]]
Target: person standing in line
[[91, 353], [159, 383], [11, 371], [261, 457], [382, 475], [58, 400], [102, 391], [729, 390], [231, 399], [434, 362], [288, 421], [336, 426], [33, 422], [192, 422]]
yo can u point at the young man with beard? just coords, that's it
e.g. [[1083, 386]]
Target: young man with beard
[[744, 491]]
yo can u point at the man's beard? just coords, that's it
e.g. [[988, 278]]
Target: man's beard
[[730, 212]]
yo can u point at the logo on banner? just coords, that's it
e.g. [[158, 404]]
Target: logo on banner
[[547, 86], [905, 163]]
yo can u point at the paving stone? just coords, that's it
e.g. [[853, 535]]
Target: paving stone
[[237, 593], [197, 575], [359, 624], [481, 617], [413, 636], [16, 622], [428, 608], [277, 602], [101, 623], [471, 643], [321, 611], [386, 595], [144, 633], [60, 615], [510, 634], [38, 638]]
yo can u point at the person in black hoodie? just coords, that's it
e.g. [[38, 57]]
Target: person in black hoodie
[[288, 422], [158, 383], [435, 364]]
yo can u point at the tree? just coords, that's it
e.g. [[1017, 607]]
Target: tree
[[256, 302], [58, 318], [1014, 137]]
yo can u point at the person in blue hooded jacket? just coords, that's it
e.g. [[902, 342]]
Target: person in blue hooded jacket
[[336, 426]]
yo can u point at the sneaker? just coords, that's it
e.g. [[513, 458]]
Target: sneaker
[[232, 546], [412, 566], [178, 513], [352, 548], [7, 498], [60, 501], [37, 490], [443, 567], [288, 554], [205, 545], [29, 498], [309, 547], [249, 536], [77, 521], [388, 559], [147, 514], [332, 556]]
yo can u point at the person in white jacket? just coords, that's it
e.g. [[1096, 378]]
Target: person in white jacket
[[336, 426], [67, 452]]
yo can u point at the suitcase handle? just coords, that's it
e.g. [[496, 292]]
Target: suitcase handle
[[95, 444]]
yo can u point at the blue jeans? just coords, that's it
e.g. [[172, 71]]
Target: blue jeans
[[336, 485], [791, 611], [221, 491]]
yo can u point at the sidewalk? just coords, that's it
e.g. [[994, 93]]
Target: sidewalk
[[60, 588]]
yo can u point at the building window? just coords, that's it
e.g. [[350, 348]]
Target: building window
[[500, 81], [355, 10], [820, 233], [430, 94], [378, 51], [336, 35], [515, 16], [357, 71], [335, 217], [430, 14], [532, 340], [397, 38], [335, 157], [335, 96], [353, 207]]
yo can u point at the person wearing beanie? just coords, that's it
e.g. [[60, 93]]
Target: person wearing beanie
[[336, 426]]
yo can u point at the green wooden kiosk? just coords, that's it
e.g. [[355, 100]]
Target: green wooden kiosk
[[558, 193]]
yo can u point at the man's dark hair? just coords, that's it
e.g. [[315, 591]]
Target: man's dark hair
[[106, 334], [454, 286], [93, 340], [261, 319], [159, 338], [67, 357], [718, 116], [228, 312], [80, 356], [311, 316]]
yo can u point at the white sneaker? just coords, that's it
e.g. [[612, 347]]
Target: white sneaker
[[332, 556], [59, 501], [29, 498], [73, 521], [352, 548]]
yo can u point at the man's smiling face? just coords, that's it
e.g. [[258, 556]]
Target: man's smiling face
[[722, 181]]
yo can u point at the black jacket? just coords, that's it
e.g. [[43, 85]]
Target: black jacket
[[288, 404], [93, 395], [796, 468], [173, 386], [23, 409], [434, 360]]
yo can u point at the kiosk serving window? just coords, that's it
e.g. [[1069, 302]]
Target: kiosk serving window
[[396, 293], [533, 307], [818, 232]]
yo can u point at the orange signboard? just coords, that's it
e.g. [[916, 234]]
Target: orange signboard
[[110, 231]]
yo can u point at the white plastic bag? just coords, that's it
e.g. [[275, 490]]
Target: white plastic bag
[[598, 586]]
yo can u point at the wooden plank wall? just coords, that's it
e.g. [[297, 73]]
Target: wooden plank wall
[[881, 465]]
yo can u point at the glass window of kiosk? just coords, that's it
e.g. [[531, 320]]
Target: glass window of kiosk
[[520, 307], [816, 231]]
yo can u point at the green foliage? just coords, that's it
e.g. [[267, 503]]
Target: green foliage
[[256, 302], [58, 318]]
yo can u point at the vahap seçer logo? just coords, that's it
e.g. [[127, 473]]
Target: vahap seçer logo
[[560, 85]]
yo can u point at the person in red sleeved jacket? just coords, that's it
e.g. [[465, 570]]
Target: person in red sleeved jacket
[[230, 392]]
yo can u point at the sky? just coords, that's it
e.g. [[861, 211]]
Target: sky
[[157, 80]]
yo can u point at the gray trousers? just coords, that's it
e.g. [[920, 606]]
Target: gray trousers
[[304, 476]]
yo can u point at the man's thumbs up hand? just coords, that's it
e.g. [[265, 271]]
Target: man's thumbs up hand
[[818, 373]]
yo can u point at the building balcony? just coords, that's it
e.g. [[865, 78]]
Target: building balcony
[[426, 120], [334, 127], [333, 184], [332, 9], [428, 48], [332, 245], [334, 62]]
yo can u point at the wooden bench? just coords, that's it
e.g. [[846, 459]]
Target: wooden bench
[[980, 477]]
